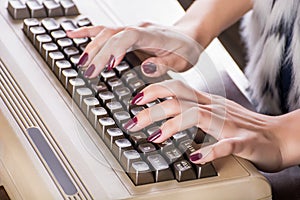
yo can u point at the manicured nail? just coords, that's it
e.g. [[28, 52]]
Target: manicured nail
[[137, 98], [131, 123], [89, 71], [149, 68], [154, 136], [110, 64], [196, 157], [83, 59]]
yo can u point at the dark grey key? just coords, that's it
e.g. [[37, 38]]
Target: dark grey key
[[152, 129], [99, 87], [59, 34], [36, 9], [113, 107], [173, 155], [105, 97], [34, 31], [146, 149], [126, 103], [122, 93], [104, 124], [47, 48], [114, 83], [66, 75], [53, 57], [70, 51], [197, 135], [106, 75], [129, 76], [68, 25], [92, 81], [129, 157], [140, 173], [82, 93], [136, 85], [135, 110], [50, 24], [82, 47], [111, 135], [119, 146], [122, 68], [17, 9], [53, 8], [180, 136], [80, 41], [40, 40], [184, 171], [69, 7], [84, 22], [74, 84], [121, 117], [166, 145], [74, 60], [95, 114], [64, 43], [138, 138], [206, 170], [61, 65], [88, 104], [28, 23], [160, 167], [188, 147]]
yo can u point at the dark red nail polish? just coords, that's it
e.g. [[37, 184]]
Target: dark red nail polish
[[89, 71], [137, 98], [154, 136], [196, 157], [131, 123], [110, 64], [83, 59], [149, 68]]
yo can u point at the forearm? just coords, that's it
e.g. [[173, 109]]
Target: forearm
[[206, 19]]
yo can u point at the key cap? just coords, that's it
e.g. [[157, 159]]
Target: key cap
[[121, 117], [80, 94], [47, 48], [160, 167], [82, 47], [105, 97], [106, 75], [50, 24], [104, 124], [74, 84], [17, 9], [166, 145], [197, 135], [99, 87], [74, 61], [122, 93], [68, 25], [40, 40], [129, 157], [119, 146], [66, 75], [152, 129], [183, 171], [53, 8], [59, 34], [71, 51], [36, 9], [140, 173], [95, 114], [28, 23], [188, 147], [129, 76], [84, 22], [114, 106], [114, 83], [53, 57], [64, 43], [136, 85], [80, 41], [122, 68], [206, 170], [34, 31], [180, 136], [61, 65], [146, 149], [69, 7], [135, 110], [88, 104], [112, 135], [173, 155], [138, 138]]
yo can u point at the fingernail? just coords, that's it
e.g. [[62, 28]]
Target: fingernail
[[195, 157], [131, 123], [110, 63], [83, 59], [137, 98], [149, 68], [154, 136], [89, 71]]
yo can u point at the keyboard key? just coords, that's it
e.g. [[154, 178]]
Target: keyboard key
[[74, 84], [121, 117], [112, 135], [17, 9], [74, 60], [180, 136], [69, 7], [173, 155], [28, 23], [146, 149], [53, 8], [47, 48], [122, 68], [88, 104], [95, 114], [80, 94], [129, 76], [166, 145], [113, 107], [140, 173], [105, 97], [119, 146], [64, 43], [53, 57], [114, 83], [129, 157], [188, 147], [152, 129], [135, 110], [40, 40], [50, 24], [122, 93], [162, 172], [61, 65], [36, 9], [70, 51], [136, 85], [106, 75], [104, 124], [34, 31], [68, 25], [206, 170], [99, 87], [183, 171], [66, 75], [80, 41], [197, 135], [59, 34], [84, 22]]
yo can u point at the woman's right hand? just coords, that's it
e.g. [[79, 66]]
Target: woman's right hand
[[169, 48]]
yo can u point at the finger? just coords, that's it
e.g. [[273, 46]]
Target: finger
[[90, 31]]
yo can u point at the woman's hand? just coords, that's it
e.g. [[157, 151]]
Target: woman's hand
[[169, 48], [238, 131]]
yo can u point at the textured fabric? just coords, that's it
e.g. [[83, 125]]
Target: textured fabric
[[272, 36]]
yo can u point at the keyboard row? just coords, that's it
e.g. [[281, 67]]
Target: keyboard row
[[104, 100]]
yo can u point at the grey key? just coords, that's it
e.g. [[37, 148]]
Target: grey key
[[59, 34], [106, 75], [68, 25], [166, 145], [42, 39], [64, 43], [136, 85], [47, 48], [173, 155], [34, 31], [69, 7], [105, 97], [140, 173], [160, 167], [122, 93], [95, 114], [114, 83], [188, 147], [50, 24], [82, 47], [28, 23], [61, 65], [99, 87], [17, 9], [53, 57], [122, 68], [119, 146], [82, 93], [129, 76], [152, 129], [129, 157], [111, 135], [113, 107], [66, 75], [146, 149], [135, 110], [74, 84], [36, 9], [197, 135], [180, 136], [184, 171], [74, 60], [80, 41], [121, 117], [104, 124], [84, 22], [138, 138], [88, 104], [206, 170], [53, 8], [70, 51]]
